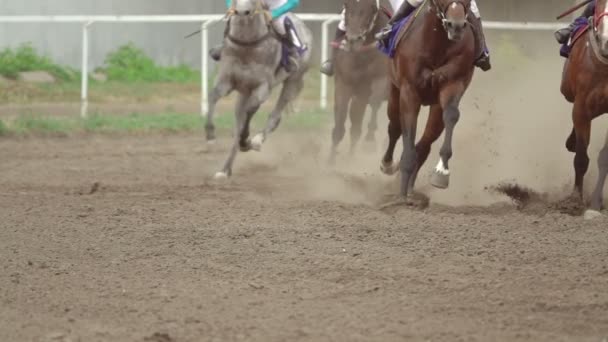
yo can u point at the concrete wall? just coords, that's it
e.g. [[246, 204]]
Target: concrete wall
[[165, 41]]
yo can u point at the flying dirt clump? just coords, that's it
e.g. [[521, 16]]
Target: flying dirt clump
[[532, 202], [520, 195]]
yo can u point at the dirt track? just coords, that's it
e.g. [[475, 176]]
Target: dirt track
[[158, 252]]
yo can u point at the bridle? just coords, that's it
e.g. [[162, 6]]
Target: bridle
[[440, 12], [259, 9], [372, 23]]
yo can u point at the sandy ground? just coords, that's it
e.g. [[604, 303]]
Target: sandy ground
[[129, 239]]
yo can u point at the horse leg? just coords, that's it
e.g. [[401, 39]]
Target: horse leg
[[394, 132], [342, 98], [597, 199], [410, 107], [238, 129], [571, 142], [290, 91], [582, 127], [246, 108], [357, 112], [222, 88], [432, 132], [450, 100], [372, 126]]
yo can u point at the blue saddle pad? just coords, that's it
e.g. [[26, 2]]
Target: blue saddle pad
[[389, 46]]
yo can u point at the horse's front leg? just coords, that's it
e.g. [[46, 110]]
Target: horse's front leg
[[450, 100], [223, 87], [582, 128], [394, 131], [257, 98], [357, 112], [409, 109], [342, 96]]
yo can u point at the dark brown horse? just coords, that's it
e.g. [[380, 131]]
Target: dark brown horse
[[585, 84], [433, 66], [361, 73]]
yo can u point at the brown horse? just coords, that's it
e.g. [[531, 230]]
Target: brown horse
[[361, 73], [585, 84], [433, 66]]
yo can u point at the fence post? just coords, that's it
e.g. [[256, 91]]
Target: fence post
[[84, 91], [205, 66], [324, 56]]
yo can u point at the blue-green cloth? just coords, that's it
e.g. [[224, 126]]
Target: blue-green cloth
[[289, 6]]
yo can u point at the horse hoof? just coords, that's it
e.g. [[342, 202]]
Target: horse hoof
[[389, 169], [220, 176], [257, 141], [440, 180], [592, 215]]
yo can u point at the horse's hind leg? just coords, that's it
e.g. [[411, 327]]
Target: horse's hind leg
[[222, 88], [394, 132], [357, 112], [597, 199], [432, 132], [450, 100], [290, 91], [342, 97]]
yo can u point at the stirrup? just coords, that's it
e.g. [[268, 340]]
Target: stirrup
[[384, 33]]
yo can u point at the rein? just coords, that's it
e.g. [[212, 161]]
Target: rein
[[365, 34]]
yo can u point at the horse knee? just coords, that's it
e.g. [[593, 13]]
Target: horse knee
[[451, 116]]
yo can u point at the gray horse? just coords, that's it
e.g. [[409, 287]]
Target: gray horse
[[597, 199], [251, 64], [361, 73]]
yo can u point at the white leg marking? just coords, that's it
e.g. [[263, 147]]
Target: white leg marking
[[257, 141], [440, 168], [220, 175]]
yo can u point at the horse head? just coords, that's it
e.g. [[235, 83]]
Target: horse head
[[360, 18], [453, 15], [249, 22], [600, 25]]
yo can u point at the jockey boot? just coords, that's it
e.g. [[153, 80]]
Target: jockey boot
[[563, 35], [216, 51], [482, 52], [295, 46], [327, 67], [403, 11]]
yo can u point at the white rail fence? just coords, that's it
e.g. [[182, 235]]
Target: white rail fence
[[208, 20]]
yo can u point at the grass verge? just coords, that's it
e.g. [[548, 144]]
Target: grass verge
[[143, 123]]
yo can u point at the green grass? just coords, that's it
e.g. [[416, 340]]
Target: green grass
[[26, 58], [143, 123], [130, 64]]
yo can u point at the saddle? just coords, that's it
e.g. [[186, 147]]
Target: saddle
[[581, 26]]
